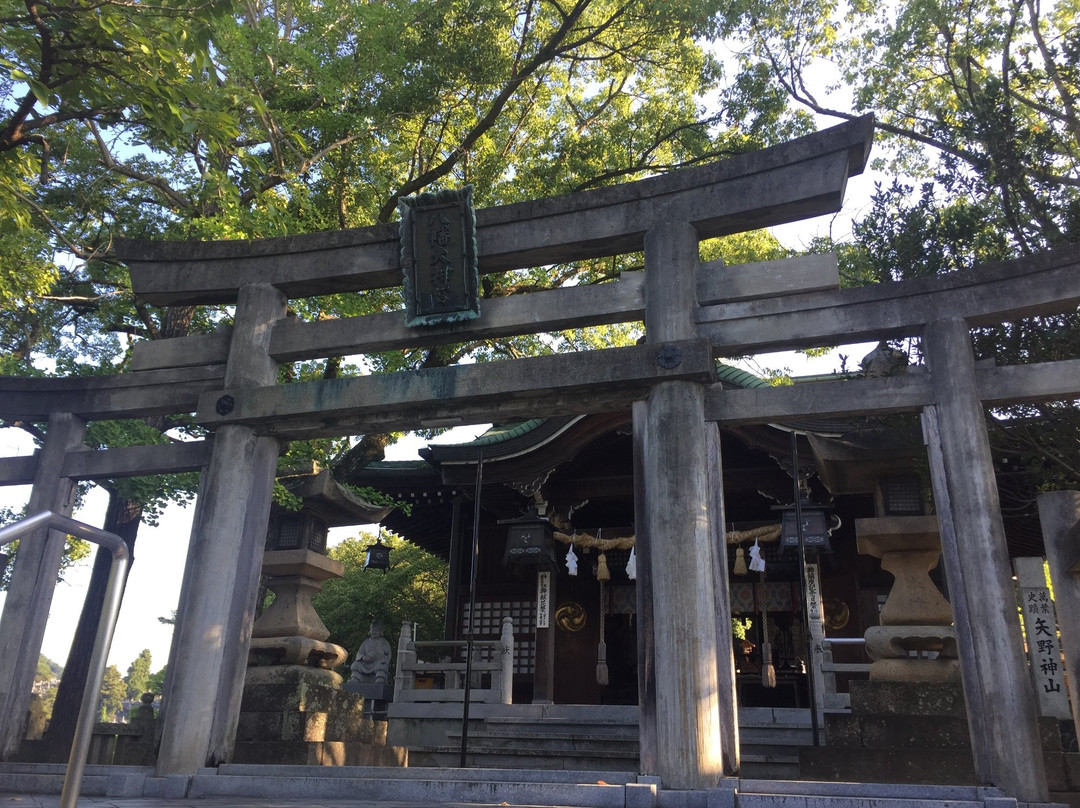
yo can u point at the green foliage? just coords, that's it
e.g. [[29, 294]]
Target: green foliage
[[47, 670], [740, 627], [284, 498], [413, 589], [906, 237], [113, 691], [982, 97], [155, 683], [75, 550], [376, 497], [153, 492], [138, 675]]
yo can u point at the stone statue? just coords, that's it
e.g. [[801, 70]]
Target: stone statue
[[372, 664]]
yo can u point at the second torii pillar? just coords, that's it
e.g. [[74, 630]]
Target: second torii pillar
[[676, 511], [1000, 703]]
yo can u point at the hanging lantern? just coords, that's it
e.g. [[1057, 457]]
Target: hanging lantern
[[529, 541], [378, 557], [814, 527]]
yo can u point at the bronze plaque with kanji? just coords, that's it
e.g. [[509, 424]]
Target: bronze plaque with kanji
[[438, 257]]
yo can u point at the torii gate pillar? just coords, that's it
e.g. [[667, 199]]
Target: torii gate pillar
[[217, 606], [688, 748], [1000, 702]]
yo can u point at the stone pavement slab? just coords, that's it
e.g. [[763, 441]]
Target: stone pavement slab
[[8, 800]]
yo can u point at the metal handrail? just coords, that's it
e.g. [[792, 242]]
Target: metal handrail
[[80, 746]]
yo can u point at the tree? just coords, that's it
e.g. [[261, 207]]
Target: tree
[[413, 589], [905, 237], [981, 96], [138, 675], [47, 670], [155, 683], [113, 691]]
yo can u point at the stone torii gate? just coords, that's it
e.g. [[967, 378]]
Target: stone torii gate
[[692, 313]]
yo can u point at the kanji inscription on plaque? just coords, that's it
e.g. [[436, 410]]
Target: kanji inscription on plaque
[[438, 257]]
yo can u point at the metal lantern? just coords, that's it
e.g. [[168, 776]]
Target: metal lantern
[[815, 527], [378, 557], [529, 541]]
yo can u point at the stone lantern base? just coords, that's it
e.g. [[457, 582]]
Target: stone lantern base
[[295, 714]]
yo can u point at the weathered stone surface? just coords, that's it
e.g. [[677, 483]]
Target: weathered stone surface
[[913, 600], [1050, 734], [298, 651], [897, 732], [256, 726], [928, 766], [915, 670], [915, 732], [894, 642], [302, 717], [1071, 761], [896, 698]]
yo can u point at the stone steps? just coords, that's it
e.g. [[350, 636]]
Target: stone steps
[[246, 785], [576, 739], [421, 786]]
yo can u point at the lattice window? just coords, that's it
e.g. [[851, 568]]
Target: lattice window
[[902, 495], [289, 534], [489, 617]]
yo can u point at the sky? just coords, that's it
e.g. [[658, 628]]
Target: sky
[[153, 587]]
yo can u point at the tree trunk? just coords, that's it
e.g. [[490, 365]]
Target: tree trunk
[[122, 518]]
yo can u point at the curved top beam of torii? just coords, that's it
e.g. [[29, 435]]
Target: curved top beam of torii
[[784, 183]]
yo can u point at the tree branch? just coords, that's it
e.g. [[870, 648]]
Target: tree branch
[[551, 49]]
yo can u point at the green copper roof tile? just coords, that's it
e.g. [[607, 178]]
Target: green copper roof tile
[[737, 377]]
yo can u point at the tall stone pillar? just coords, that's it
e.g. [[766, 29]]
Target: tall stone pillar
[[729, 700], [1000, 703], [217, 600], [676, 512], [1059, 513], [33, 580]]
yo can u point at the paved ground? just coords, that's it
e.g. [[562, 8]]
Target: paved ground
[[53, 801]]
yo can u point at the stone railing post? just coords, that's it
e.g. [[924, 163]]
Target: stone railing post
[[406, 657], [506, 656]]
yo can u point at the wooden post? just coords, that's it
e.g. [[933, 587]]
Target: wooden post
[[452, 615], [725, 657], [544, 669], [33, 580], [1059, 512], [217, 601], [815, 643], [646, 659], [679, 534], [1001, 707]]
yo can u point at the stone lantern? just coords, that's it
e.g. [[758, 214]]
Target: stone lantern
[[294, 708], [290, 632]]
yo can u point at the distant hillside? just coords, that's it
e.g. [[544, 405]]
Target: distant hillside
[[47, 669]]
